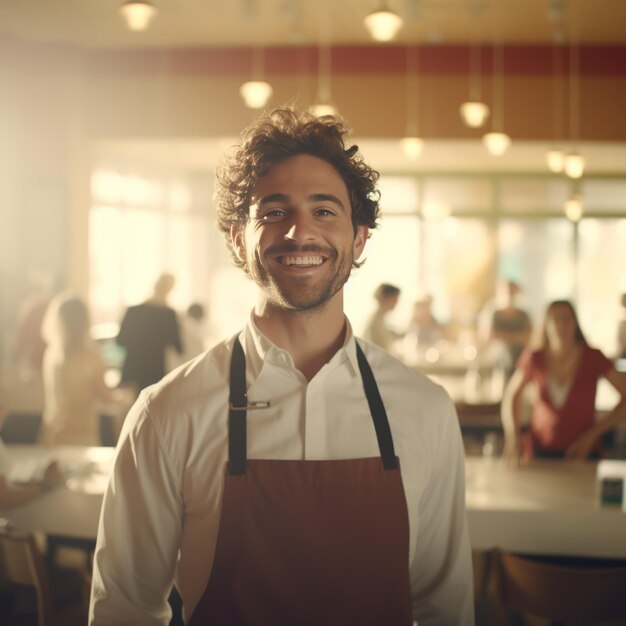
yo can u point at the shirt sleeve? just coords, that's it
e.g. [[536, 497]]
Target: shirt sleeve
[[601, 363], [139, 532], [443, 587]]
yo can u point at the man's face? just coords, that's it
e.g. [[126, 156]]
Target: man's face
[[299, 242]]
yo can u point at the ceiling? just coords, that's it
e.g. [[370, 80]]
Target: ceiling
[[382, 154], [218, 23], [236, 23]]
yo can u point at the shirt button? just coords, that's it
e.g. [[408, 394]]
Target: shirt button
[[282, 359]]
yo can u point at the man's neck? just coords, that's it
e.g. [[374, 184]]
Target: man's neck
[[311, 337]]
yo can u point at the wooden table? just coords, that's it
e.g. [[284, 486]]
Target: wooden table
[[72, 510], [546, 507]]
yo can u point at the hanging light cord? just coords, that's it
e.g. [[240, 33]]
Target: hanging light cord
[[557, 91], [412, 110], [475, 91], [498, 73], [324, 60], [574, 78]]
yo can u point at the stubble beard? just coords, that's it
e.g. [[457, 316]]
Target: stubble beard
[[302, 294]]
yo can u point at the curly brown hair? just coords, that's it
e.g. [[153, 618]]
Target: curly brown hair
[[279, 135]]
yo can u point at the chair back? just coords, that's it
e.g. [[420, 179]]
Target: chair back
[[21, 563], [572, 595]]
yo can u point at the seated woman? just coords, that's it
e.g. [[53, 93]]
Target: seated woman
[[73, 372], [565, 370], [12, 496]]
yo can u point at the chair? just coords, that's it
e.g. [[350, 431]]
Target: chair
[[60, 597], [573, 595], [21, 428]]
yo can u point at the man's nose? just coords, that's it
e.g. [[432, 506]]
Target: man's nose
[[300, 230]]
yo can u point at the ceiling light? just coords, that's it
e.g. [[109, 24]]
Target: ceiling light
[[574, 208], [323, 104], [474, 114], [256, 93], [474, 111], [574, 165], [412, 147], [411, 143], [497, 143], [320, 109], [138, 14], [555, 160], [383, 24]]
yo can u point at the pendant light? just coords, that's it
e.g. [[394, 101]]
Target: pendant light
[[574, 207], [138, 14], [383, 24], [256, 92], [323, 104], [497, 141], [412, 144], [574, 163], [474, 111], [555, 157]]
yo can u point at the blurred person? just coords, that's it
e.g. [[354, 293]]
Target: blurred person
[[284, 437], [565, 370], [424, 326], [73, 373], [505, 328], [30, 344], [147, 331], [377, 330], [193, 331]]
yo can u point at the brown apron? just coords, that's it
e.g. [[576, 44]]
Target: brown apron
[[309, 543]]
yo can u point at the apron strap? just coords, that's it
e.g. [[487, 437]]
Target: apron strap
[[237, 445], [237, 413], [377, 409]]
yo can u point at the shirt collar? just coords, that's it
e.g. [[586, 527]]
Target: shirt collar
[[259, 349]]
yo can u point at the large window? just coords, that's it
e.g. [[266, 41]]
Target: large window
[[601, 270], [142, 224], [450, 236]]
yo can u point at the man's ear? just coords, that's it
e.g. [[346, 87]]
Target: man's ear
[[362, 233], [236, 238]]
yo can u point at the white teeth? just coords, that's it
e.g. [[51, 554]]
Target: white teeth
[[302, 260]]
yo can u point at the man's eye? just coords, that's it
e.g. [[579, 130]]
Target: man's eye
[[273, 214], [324, 211]]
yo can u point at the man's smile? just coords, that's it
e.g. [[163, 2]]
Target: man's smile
[[304, 261]]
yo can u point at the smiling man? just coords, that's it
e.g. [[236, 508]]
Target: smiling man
[[292, 475]]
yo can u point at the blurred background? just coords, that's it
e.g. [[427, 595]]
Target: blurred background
[[498, 128], [499, 131]]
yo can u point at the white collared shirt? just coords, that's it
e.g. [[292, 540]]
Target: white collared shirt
[[163, 502]]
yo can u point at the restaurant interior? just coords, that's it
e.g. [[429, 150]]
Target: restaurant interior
[[499, 132]]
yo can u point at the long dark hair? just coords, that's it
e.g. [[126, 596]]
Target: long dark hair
[[543, 338]]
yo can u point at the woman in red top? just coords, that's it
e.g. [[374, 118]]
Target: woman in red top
[[565, 370]]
